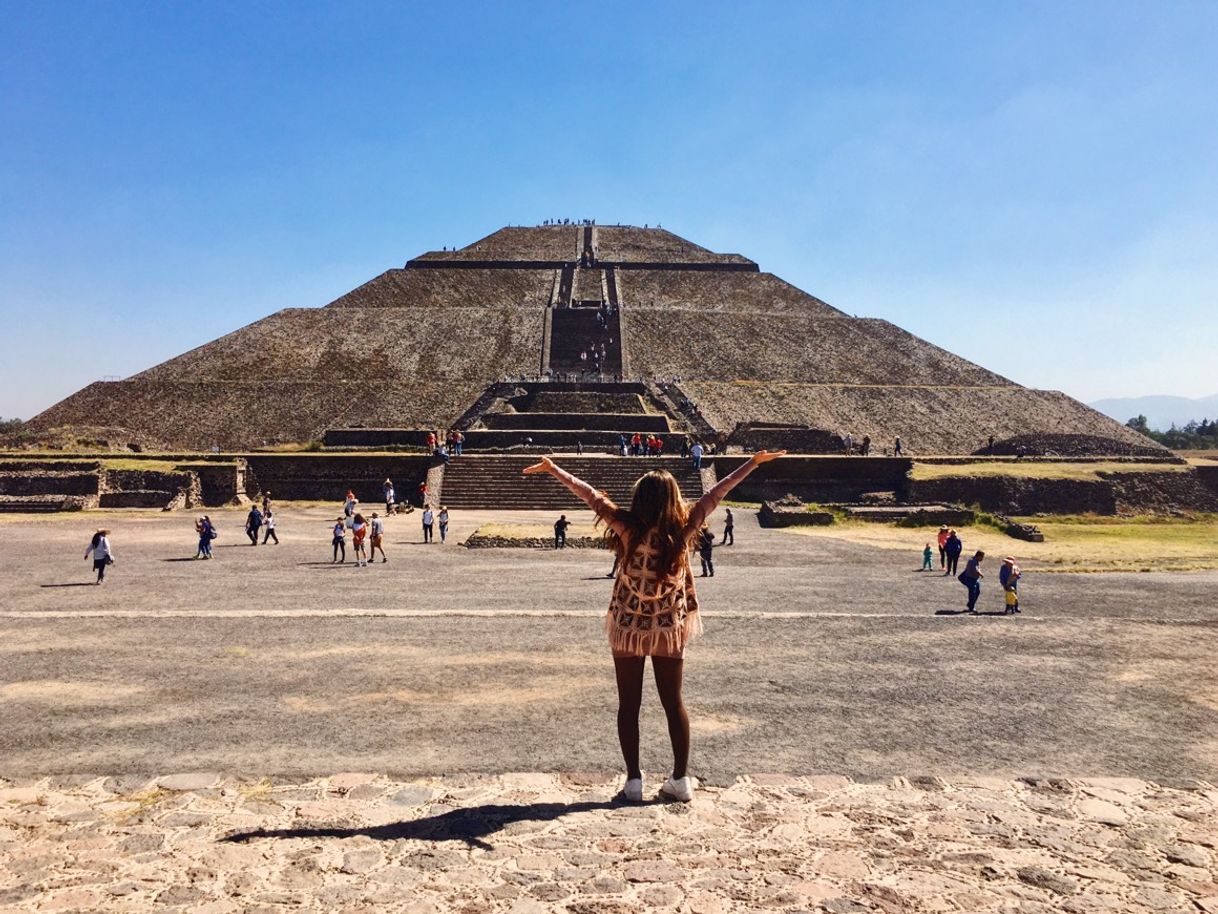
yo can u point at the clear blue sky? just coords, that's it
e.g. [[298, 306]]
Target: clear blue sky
[[1031, 185]]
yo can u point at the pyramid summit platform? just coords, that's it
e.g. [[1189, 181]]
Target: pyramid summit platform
[[557, 333]]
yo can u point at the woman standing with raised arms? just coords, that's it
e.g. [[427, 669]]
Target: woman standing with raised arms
[[654, 608]]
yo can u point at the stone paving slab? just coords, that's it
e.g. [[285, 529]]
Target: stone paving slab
[[525, 843]]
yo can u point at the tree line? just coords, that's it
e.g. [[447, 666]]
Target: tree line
[[1194, 436]]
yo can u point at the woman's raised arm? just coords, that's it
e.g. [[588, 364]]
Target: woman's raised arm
[[708, 502], [595, 499]]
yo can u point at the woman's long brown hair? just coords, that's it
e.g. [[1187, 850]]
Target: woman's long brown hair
[[655, 504]]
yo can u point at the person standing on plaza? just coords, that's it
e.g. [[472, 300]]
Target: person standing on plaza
[[268, 524], [423, 494], [928, 556], [953, 547], [943, 534], [442, 520], [848, 444], [1008, 576], [266, 503], [865, 447], [359, 537], [729, 529], [349, 505], [376, 538], [705, 543], [560, 532], [253, 524], [971, 577], [654, 608], [102, 553], [339, 542], [429, 519], [391, 495]]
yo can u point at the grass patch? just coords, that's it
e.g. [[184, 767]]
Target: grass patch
[[143, 801], [1076, 544], [1032, 469]]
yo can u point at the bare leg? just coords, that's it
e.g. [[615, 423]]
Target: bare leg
[[629, 701], [668, 673]]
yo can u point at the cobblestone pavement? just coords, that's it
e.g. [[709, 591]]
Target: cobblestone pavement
[[539, 842]]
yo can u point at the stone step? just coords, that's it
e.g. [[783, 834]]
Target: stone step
[[607, 422]]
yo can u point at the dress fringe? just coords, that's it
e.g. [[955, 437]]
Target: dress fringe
[[628, 640]]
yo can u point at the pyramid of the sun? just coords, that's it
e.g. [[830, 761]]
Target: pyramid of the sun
[[416, 346]]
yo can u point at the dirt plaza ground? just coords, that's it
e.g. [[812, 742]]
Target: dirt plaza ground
[[268, 731]]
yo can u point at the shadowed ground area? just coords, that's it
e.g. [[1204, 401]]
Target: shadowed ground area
[[820, 656]]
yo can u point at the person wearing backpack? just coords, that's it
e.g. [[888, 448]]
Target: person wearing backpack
[[971, 577], [102, 554], [207, 532]]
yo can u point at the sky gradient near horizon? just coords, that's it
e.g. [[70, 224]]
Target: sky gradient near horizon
[[1032, 186]]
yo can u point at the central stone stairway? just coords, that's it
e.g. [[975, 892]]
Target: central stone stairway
[[495, 481]]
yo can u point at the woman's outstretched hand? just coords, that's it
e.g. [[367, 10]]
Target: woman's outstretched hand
[[766, 456], [545, 466]]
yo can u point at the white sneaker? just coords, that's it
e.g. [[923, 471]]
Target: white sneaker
[[680, 789], [634, 790]]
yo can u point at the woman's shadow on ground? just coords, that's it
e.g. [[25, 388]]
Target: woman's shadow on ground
[[469, 825]]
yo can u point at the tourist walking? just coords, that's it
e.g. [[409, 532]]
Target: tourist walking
[[268, 525], [429, 519], [442, 520], [349, 504], [705, 543], [942, 540], [207, 532], [376, 538], [103, 555], [654, 608], [695, 455], [253, 525], [621, 445], [927, 559], [896, 447], [266, 502], [971, 577], [560, 532], [340, 540], [953, 547], [391, 495], [1008, 576], [729, 529], [359, 537]]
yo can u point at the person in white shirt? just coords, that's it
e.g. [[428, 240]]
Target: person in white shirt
[[102, 554], [268, 523], [429, 518]]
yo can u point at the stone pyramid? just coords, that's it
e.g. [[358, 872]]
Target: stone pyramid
[[740, 349]]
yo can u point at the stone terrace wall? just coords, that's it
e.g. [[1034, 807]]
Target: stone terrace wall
[[322, 477], [1017, 495], [367, 345], [445, 288], [817, 479], [244, 415], [789, 347], [930, 420], [631, 244], [689, 290]]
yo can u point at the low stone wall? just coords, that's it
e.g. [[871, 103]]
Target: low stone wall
[[773, 514], [795, 438], [482, 541], [1111, 493], [325, 477], [818, 479], [41, 482], [375, 437], [1017, 495]]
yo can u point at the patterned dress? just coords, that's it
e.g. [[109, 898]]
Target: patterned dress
[[651, 613]]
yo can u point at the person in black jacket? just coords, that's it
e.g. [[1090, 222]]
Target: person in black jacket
[[705, 541], [953, 547]]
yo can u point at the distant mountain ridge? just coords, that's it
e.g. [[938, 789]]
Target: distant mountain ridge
[[1161, 411]]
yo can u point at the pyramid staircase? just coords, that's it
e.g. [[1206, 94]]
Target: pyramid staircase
[[494, 481]]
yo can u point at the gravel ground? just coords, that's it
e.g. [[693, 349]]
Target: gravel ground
[[820, 656]]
